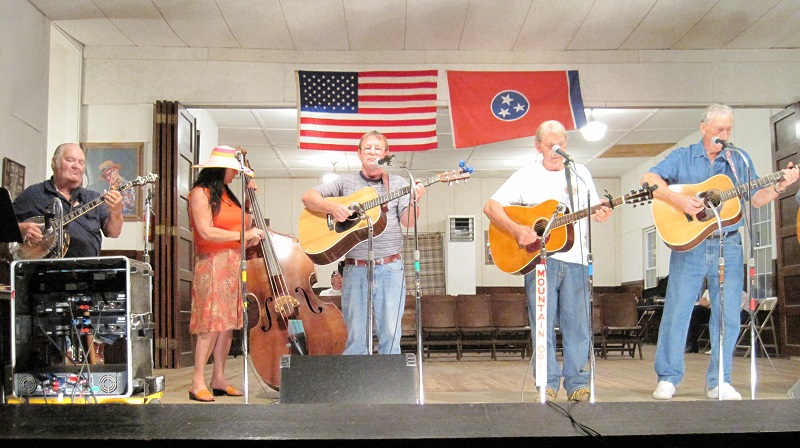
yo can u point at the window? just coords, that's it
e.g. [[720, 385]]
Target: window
[[762, 253], [650, 258]]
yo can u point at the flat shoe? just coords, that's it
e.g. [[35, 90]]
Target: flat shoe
[[203, 396], [229, 391]]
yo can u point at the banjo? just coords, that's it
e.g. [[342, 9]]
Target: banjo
[[48, 247]]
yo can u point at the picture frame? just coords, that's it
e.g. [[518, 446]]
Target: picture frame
[[13, 177], [110, 164]]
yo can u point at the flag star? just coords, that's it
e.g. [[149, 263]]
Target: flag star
[[519, 107], [507, 99], [503, 112]]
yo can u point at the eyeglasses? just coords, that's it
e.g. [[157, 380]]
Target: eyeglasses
[[376, 149]]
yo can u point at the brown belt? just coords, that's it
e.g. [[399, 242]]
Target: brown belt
[[378, 261], [715, 235]]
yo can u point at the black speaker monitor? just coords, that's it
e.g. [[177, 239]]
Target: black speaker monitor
[[378, 379]]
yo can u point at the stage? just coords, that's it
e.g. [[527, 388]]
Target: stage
[[581, 424]]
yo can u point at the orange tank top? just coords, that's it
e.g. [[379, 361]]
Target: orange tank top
[[228, 218]]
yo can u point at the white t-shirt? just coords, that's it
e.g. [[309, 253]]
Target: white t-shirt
[[331, 292], [533, 184]]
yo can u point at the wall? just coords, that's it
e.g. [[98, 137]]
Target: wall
[[121, 85], [24, 79]]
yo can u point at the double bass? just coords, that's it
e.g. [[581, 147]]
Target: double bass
[[289, 318]]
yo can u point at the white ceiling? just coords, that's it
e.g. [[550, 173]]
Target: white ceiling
[[270, 135]]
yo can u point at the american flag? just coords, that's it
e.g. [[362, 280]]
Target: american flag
[[337, 108]]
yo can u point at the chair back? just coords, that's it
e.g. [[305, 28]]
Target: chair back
[[473, 311], [438, 311], [408, 321], [510, 310], [619, 310]]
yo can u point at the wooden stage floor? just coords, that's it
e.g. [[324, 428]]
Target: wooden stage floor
[[471, 402], [509, 379]]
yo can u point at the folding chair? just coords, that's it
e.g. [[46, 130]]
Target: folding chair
[[764, 320]]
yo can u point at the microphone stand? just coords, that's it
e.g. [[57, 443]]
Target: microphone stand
[[58, 210], [590, 270], [147, 201], [243, 276], [541, 285], [370, 281], [720, 372], [417, 287], [752, 302]]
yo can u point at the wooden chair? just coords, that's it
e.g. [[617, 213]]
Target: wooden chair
[[439, 328], [510, 318], [408, 338], [474, 321], [597, 326], [620, 325]]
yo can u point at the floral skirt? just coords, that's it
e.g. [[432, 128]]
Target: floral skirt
[[216, 293]]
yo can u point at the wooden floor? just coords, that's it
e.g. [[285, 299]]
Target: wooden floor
[[477, 379]]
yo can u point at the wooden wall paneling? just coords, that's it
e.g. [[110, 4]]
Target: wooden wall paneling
[[785, 146]]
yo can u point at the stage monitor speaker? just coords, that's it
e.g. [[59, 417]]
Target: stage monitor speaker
[[377, 379]]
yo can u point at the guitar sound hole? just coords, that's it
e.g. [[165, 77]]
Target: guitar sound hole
[[347, 225]]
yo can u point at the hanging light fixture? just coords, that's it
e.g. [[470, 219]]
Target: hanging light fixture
[[330, 176], [594, 130]]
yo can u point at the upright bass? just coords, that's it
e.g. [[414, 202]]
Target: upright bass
[[289, 318]]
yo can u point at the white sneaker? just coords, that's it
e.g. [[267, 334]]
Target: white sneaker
[[664, 391], [725, 392]]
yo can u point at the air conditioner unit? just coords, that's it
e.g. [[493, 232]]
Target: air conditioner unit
[[459, 254]]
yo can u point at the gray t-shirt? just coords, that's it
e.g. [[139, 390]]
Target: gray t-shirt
[[390, 241]]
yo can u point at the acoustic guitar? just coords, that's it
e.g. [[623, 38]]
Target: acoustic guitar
[[681, 231], [325, 240], [512, 258], [47, 247]]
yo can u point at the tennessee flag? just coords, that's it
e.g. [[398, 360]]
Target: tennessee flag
[[488, 107]]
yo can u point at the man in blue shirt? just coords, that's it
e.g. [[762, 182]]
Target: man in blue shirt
[[687, 269]]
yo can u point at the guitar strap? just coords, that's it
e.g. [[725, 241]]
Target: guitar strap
[[733, 167], [569, 188], [385, 178]]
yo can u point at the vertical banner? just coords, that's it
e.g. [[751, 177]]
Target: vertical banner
[[540, 326]]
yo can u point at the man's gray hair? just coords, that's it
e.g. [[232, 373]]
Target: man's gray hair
[[714, 110]]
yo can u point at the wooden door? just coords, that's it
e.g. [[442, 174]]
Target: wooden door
[[175, 143], [785, 146]]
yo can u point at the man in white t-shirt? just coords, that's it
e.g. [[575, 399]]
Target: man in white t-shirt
[[336, 282], [567, 272]]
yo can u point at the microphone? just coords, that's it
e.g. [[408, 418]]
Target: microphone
[[385, 160], [238, 155], [562, 153], [719, 141]]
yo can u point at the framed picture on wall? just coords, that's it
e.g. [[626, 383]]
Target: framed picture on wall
[[13, 177], [115, 164]]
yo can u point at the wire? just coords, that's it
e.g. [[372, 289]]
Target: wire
[[576, 424]]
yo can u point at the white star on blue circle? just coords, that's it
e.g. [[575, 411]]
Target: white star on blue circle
[[510, 105]]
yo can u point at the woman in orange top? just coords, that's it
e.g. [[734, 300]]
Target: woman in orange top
[[216, 218]]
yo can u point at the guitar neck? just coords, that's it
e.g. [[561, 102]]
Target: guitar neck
[[89, 206], [765, 181], [395, 194], [580, 214], [75, 214]]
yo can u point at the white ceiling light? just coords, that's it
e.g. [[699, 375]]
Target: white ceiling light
[[330, 176], [594, 130]]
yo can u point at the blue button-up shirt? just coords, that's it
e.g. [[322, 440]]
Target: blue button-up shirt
[[691, 165]]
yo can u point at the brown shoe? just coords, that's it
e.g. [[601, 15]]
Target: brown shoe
[[580, 395]]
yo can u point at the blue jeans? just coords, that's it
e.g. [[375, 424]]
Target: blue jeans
[[388, 299], [567, 304], [686, 273]]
